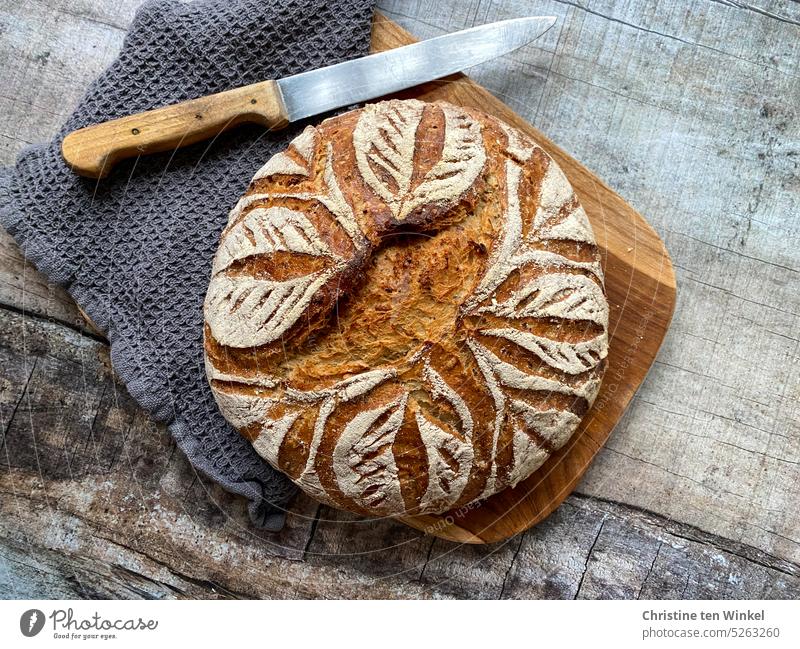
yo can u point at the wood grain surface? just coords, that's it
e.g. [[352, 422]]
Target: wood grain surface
[[694, 495]]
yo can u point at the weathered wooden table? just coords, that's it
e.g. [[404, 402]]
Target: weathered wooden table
[[689, 110]]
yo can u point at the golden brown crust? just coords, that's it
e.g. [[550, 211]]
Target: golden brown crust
[[406, 312]]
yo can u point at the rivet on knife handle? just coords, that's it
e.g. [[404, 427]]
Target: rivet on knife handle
[[93, 151]]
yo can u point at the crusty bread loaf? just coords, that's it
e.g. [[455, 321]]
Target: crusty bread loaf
[[406, 311]]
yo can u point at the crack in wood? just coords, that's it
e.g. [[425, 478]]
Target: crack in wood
[[511, 565], [748, 7], [26, 313], [588, 558], [650, 570], [314, 523], [208, 584], [427, 559], [22, 396]]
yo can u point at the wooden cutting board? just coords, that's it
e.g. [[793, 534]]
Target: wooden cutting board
[[640, 284]]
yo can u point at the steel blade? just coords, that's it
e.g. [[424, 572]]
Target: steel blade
[[351, 82]]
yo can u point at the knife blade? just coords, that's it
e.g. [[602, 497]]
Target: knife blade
[[92, 151], [318, 91]]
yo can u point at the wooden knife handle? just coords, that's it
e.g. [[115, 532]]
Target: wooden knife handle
[[93, 151]]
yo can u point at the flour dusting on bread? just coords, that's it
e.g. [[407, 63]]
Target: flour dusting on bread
[[406, 312]]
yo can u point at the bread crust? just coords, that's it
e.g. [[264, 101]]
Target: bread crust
[[406, 311]]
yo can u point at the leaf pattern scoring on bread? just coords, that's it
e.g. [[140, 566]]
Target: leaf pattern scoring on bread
[[463, 416]]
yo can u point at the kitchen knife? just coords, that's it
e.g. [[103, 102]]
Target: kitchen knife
[[93, 151]]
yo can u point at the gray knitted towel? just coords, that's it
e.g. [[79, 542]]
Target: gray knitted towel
[[135, 249]]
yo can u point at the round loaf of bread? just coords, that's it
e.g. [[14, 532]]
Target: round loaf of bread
[[406, 311]]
